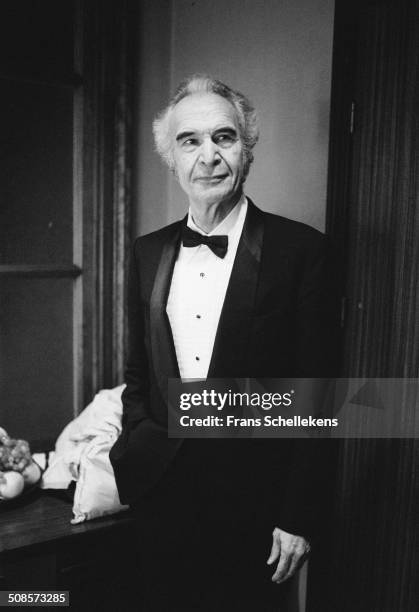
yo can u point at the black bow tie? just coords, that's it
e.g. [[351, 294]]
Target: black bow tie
[[217, 244]]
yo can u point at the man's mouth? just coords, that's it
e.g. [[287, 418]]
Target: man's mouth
[[216, 178]]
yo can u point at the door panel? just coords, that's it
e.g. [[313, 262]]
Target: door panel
[[65, 115], [373, 216], [36, 356], [40, 332], [36, 161]]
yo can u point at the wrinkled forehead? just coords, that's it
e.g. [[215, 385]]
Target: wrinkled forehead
[[203, 112]]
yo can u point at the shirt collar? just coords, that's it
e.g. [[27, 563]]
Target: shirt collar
[[227, 225]]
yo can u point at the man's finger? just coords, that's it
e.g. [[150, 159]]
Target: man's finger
[[275, 551], [282, 568], [295, 562]]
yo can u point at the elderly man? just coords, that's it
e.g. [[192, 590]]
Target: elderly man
[[229, 291]]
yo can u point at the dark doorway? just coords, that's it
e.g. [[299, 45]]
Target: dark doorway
[[373, 217]]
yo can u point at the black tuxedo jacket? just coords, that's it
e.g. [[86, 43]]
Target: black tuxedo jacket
[[278, 320]]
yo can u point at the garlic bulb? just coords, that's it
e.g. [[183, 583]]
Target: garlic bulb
[[11, 485]]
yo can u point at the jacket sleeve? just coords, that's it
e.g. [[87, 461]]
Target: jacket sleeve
[[313, 461], [135, 398], [317, 324]]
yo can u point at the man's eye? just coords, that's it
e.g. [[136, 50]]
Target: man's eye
[[189, 143], [225, 139]]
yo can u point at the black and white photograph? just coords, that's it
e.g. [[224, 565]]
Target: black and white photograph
[[209, 305]]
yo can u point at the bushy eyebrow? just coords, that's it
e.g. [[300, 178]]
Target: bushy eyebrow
[[225, 130], [183, 135], [222, 130]]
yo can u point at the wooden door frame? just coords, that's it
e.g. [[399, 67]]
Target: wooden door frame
[[105, 58], [342, 128]]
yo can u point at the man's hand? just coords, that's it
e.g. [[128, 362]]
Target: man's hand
[[291, 550]]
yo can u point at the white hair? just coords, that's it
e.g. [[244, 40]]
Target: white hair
[[246, 115]]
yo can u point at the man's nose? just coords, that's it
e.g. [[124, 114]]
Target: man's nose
[[209, 154]]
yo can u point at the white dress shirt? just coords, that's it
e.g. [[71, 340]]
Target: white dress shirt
[[197, 292]]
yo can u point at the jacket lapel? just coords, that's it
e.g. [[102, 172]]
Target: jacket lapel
[[162, 346], [231, 341]]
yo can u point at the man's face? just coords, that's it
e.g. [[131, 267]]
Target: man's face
[[208, 150]]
